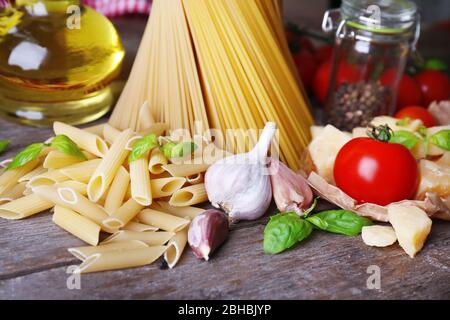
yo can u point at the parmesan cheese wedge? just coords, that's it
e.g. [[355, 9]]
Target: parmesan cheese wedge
[[378, 236]]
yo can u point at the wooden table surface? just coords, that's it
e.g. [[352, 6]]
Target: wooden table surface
[[34, 257]]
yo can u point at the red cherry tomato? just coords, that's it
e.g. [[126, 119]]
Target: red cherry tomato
[[377, 172], [290, 36], [324, 53], [435, 86], [408, 93], [306, 44], [416, 112], [306, 66]]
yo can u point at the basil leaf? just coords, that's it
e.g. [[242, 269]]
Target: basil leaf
[[313, 206], [435, 64], [178, 150], [405, 138], [142, 146], [339, 221], [28, 154], [283, 231], [441, 139], [4, 144], [65, 145]]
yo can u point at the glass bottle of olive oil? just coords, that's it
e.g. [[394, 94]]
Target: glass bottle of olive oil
[[57, 62]]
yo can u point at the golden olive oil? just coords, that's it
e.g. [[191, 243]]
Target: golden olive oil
[[57, 62]]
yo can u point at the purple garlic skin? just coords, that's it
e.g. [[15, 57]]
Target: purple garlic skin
[[207, 232], [291, 191]]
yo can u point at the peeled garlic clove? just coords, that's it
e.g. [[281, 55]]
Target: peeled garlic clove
[[207, 232], [291, 191], [240, 184]]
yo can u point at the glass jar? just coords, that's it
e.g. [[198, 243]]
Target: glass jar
[[372, 43], [57, 61]]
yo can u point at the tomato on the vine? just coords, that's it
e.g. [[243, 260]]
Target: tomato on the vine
[[416, 112], [408, 92], [306, 66], [435, 86], [324, 53], [376, 171]]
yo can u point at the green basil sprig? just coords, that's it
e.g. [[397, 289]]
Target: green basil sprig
[[28, 154], [142, 146], [339, 221], [405, 138], [283, 231], [178, 150], [441, 139], [4, 144], [61, 143], [65, 145]]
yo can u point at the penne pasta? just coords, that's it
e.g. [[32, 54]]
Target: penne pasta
[[141, 190], [24, 207], [110, 133], [165, 187], [79, 187], [81, 227], [139, 227], [71, 199], [156, 162], [13, 193], [96, 129], [195, 179], [85, 140], [47, 179], [83, 252], [117, 191], [189, 196], [106, 171], [81, 172], [114, 260], [157, 129], [175, 248], [185, 170], [162, 220], [146, 119], [150, 238], [124, 214], [33, 173], [56, 159], [182, 212], [9, 178]]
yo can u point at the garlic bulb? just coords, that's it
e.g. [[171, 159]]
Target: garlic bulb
[[240, 184], [290, 190]]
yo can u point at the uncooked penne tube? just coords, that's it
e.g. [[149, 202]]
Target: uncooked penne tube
[[9, 178], [110, 133], [96, 129], [195, 179], [139, 227], [57, 160], [106, 171], [175, 247], [157, 129], [47, 179], [189, 196], [150, 238], [81, 172], [185, 170], [146, 119], [13, 193], [83, 252], [69, 198], [124, 214], [33, 173], [182, 212], [79, 226], [141, 190], [85, 140], [156, 162], [165, 187], [24, 207], [162, 220], [114, 260], [117, 191]]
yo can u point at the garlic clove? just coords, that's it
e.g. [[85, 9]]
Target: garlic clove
[[291, 191], [240, 184], [207, 232]]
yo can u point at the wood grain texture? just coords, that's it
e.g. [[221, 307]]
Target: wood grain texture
[[34, 257]]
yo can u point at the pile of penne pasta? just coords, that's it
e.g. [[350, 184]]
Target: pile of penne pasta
[[146, 205]]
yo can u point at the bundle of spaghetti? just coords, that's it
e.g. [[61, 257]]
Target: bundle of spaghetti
[[247, 78], [164, 74]]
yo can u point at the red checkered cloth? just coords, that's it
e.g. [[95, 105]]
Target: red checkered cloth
[[112, 8]]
